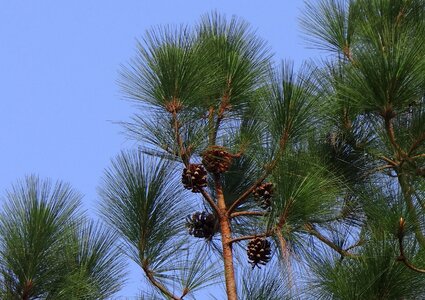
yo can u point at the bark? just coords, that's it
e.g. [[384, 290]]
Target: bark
[[226, 240]]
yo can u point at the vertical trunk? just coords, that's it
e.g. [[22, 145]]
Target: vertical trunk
[[226, 236]]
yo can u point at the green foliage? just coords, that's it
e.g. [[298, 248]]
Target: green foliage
[[168, 67], [47, 252], [141, 202], [327, 163], [340, 142], [288, 105], [238, 59], [305, 191], [374, 275], [268, 284]]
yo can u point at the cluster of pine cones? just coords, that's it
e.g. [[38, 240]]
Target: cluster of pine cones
[[216, 159]]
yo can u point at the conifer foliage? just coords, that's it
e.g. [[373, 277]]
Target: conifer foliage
[[270, 182], [307, 173]]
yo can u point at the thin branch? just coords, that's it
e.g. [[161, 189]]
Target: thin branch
[[182, 150], [390, 161], [247, 213], [282, 243], [391, 135], [326, 241], [406, 189], [402, 256], [220, 115], [416, 144], [269, 168], [211, 128], [184, 156], [158, 285], [418, 156], [357, 244], [377, 169], [246, 194], [210, 200], [409, 265], [250, 237]]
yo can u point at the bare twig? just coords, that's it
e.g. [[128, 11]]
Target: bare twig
[[247, 213], [250, 237]]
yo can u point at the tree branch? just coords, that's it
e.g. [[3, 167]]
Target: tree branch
[[184, 156], [282, 244], [182, 150], [247, 213], [402, 256], [158, 285], [250, 237], [390, 161], [380, 168], [269, 169], [416, 144], [391, 135], [310, 229], [407, 193], [246, 194], [418, 156], [210, 201], [211, 127]]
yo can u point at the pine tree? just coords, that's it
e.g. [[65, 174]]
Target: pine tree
[[315, 174], [50, 250], [281, 184]]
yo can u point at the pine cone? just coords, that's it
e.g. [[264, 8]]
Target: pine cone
[[263, 194], [202, 225], [216, 159], [258, 252], [194, 178]]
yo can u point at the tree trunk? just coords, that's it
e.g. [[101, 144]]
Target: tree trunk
[[226, 237]]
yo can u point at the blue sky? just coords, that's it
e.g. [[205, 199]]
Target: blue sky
[[59, 63]]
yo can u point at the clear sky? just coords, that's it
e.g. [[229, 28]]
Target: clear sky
[[59, 62]]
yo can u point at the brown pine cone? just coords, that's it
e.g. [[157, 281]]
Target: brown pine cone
[[194, 178], [216, 159]]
